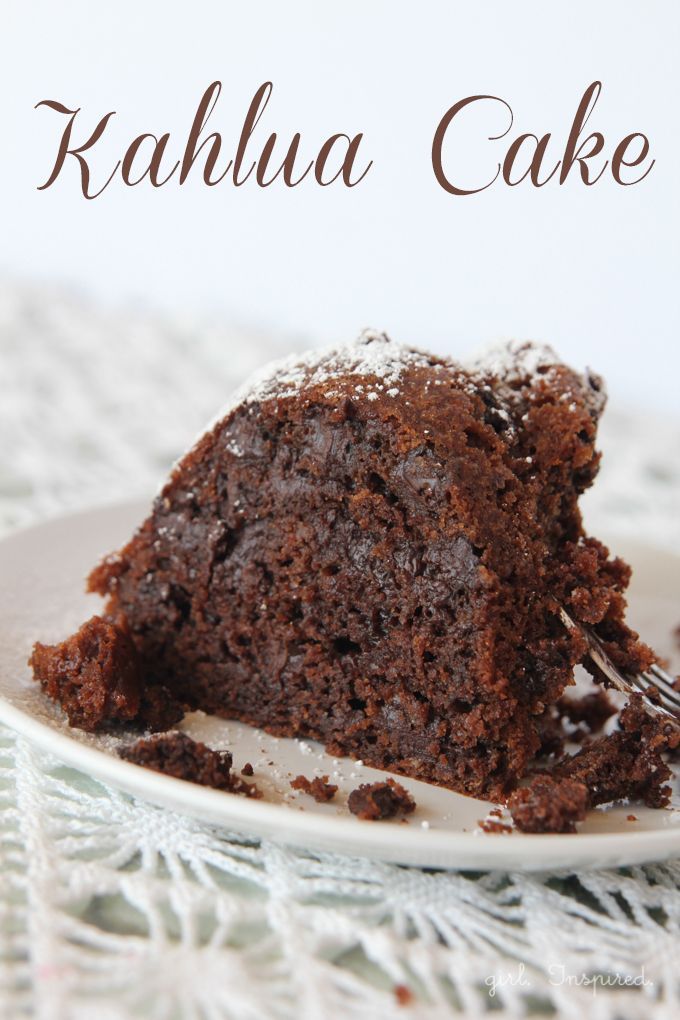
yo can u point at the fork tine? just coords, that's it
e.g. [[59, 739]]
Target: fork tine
[[662, 692], [659, 704], [660, 681], [638, 680], [664, 678], [667, 700]]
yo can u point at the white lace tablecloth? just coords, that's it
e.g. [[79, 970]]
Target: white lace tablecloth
[[111, 908]]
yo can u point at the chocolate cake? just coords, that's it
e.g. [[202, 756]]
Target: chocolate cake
[[372, 802], [176, 754], [626, 763], [95, 675], [367, 548], [319, 788], [548, 804]]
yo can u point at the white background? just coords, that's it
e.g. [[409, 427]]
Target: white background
[[592, 270]]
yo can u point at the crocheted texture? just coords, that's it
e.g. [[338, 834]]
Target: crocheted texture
[[112, 908]]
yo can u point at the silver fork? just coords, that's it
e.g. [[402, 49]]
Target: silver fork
[[655, 683]]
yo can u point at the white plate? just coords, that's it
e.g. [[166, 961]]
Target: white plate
[[41, 597]]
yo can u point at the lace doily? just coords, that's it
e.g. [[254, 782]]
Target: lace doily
[[113, 909]]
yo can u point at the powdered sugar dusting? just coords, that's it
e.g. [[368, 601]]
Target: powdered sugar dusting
[[527, 361], [378, 364], [513, 359], [372, 356]]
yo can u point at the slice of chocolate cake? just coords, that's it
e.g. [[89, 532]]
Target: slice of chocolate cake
[[366, 549]]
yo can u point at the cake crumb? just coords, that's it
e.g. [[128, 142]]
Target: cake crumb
[[592, 710], [247, 769], [319, 788], [626, 763], [375, 801], [549, 805], [176, 754], [403, 995], [94, 675], [631, 818], [493, 826]]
